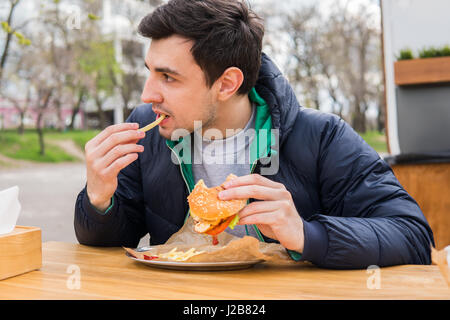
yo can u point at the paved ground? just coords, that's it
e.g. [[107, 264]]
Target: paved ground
[[47, 195]]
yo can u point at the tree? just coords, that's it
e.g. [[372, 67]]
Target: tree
[[99, 63], [22, 107], [130, 82], [10, 31], [332, 59], [43, 100], [304, 65], [353, 42]]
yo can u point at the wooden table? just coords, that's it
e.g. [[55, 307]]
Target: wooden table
[[106, 273]]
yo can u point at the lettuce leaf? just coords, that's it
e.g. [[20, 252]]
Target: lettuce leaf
[[234, 222]]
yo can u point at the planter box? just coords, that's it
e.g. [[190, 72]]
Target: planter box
[[422, 71], [20, 251]]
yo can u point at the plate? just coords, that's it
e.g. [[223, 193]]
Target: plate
[[197, 266]]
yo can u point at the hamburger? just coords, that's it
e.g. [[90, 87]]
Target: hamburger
[[212, 215]]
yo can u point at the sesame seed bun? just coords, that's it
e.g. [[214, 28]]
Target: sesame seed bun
[[208, 210]]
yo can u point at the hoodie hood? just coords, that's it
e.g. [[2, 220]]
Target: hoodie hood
[[276, 91]]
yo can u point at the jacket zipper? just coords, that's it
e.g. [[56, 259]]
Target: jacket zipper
[[184, 179], [258, 233], [187, 185]]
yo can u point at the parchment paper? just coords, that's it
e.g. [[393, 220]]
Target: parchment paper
[[230, 248]]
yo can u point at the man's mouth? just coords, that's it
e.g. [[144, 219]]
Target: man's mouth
[[159, 114]]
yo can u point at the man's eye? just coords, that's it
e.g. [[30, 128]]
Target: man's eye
[[168, 78]]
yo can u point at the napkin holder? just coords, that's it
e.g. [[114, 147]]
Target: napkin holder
[[20, 251]]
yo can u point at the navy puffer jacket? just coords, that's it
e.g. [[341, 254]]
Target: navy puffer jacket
[[355, 211]]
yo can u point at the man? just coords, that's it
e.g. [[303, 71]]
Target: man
[[326, 196]]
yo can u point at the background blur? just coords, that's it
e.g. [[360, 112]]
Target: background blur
[[69, 68]]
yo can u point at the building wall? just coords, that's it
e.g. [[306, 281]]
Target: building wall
[[10, 118], [418, 117], [424, 118]]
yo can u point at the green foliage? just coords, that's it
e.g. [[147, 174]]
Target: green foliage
[[100, 63], [92, 16], [405, 54], [445, 52], [20, 37], [6, 27], [430, 52], [22, 40]]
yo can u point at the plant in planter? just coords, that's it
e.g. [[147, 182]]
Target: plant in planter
[[432, 66], [405, 54], [432, 52]]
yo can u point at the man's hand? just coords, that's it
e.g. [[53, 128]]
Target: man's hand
[[106, 154], [276, 215]]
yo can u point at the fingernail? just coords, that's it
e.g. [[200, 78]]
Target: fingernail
[[222, 195], [227, 184]]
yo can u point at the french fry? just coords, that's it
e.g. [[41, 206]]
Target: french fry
[[175, 255], [153, 124]]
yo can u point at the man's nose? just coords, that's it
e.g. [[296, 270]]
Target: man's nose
[[151, 94]]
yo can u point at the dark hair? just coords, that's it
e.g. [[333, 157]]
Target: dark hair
[[226, 33]]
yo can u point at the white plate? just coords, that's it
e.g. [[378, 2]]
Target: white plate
[[197, 266]]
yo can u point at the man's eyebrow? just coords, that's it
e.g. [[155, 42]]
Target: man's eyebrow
[[167, 70], [164, 70]]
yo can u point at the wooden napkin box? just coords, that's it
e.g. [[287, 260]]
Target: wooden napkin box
[[20, 251]]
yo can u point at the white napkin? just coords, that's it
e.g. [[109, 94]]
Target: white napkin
[[9, 209]]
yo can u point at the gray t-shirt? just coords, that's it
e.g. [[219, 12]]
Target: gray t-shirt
[[214, 160]]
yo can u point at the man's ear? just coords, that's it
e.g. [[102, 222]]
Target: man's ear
[[229, 83]]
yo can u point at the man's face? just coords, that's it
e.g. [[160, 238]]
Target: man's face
[[177, 87]]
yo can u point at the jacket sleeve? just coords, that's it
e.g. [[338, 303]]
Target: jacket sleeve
[[123, 224], [367, 218]]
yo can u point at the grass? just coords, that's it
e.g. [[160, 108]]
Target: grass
[[376, 140], [79, 137], [26, 146]]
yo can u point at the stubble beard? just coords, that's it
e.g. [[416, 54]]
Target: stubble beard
[[208, 121]]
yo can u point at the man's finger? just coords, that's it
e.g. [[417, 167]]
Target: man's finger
[[269, 218], [257, 207], [121, 163], [98, 139], [118, 152], [118, 138], [252, 179], [252, 191]]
